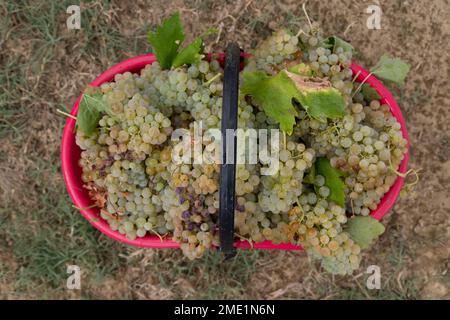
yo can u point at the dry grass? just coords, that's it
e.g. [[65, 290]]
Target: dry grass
[[45, 66]]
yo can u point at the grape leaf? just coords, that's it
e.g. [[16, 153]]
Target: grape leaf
[[340, 43], [89, 112], [166, 40], [332, 180], [391, 69], [334, 42], [364, 230], [369, 93], [274, 95], [94, 98], [318, 97], [190, 54]]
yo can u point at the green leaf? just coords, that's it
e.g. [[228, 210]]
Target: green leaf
[[334, 42], [94, 99], [332, 180], [328, 43], [364, 230], [340, 43], [252, 80], [274, 95], [391, 69], [189, 55], [91, 107], [88, 115], [166, 40], [369, 93], [318, 97]]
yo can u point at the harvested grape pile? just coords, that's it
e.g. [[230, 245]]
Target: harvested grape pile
[[338, 151]]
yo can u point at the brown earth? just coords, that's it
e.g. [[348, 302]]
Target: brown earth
[[414, 253]]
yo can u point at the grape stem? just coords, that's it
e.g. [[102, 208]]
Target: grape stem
[[365, 79], [356, 76], [84, 208], [300, 32], [115, 208], [307, 16], [361, 84], [302, 217], [406, 174], [110, 215], [213, 79], [351, 204], [66, 114], [157, 234]]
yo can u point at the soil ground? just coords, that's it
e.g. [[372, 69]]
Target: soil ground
[[44, 66]]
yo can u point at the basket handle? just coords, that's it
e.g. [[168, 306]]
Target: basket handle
[[228, 166]]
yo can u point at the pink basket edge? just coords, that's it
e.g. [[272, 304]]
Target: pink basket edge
[[138, 62]]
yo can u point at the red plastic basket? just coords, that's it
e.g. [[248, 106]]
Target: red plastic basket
[[70, 155]]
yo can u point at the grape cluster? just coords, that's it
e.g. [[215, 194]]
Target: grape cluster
[[318, 225], [143, 191], [192, 203], [130, 155], [366, 144]]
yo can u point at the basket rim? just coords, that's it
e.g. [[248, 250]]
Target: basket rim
[[81, 200]]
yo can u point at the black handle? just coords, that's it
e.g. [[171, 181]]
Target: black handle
[[228, 167]]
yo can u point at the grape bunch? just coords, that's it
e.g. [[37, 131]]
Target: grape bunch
[[330, 167]]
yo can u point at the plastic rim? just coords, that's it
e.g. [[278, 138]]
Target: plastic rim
[[70, 155]]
